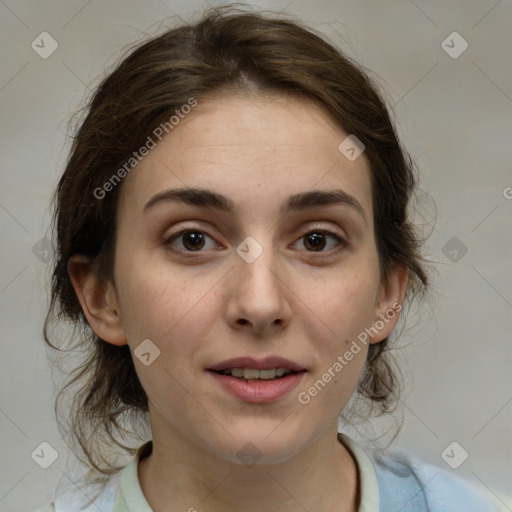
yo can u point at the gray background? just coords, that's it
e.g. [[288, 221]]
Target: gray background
[[455, 117]]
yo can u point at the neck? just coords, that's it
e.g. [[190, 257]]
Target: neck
[[179, 476]]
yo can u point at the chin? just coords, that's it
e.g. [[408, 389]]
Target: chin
[[260, 446]]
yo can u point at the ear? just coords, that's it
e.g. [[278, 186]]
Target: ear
[[389, 304], [98, 300]]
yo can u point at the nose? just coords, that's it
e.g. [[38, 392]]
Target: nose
[[258, 297]]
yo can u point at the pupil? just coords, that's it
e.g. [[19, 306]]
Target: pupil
[[196, 238], [318, 240]]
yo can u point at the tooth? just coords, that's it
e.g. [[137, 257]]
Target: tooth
[[268, 374], [251, 373], [254, 374], [237, 372], [280, 372]]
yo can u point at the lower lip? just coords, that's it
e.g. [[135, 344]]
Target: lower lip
[[259, 391]]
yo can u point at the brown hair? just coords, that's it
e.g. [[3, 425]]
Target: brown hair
[[225, 49]]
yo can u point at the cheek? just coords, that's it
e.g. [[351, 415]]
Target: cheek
[[345, 300], [345, 304], [160, 305], [174, 315]]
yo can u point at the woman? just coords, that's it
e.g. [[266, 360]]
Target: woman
[[233, 238]]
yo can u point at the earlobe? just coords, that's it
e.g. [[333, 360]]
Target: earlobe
[[97, 299], [389, 304]]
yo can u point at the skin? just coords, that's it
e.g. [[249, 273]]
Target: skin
[[202, 308]]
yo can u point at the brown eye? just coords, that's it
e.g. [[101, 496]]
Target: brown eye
[[317, 240], [192, 240]]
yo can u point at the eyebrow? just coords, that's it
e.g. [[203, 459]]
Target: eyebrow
[[297, 202]]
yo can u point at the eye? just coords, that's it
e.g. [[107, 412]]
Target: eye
[[315, 240], [192, 240]]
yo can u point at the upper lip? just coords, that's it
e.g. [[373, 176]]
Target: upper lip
[[266, 363]]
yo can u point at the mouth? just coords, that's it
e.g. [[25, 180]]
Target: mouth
[[258, 380]]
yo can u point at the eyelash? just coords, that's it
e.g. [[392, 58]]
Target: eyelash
[[341, 242]]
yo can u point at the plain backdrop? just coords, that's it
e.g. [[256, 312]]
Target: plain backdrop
[[453, 113]]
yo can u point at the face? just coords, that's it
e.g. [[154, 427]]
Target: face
[[302, 287]]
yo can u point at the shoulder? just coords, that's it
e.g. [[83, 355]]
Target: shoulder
[[83, 495], [408, 482]]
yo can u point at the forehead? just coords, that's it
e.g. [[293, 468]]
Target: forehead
[[251, 148]]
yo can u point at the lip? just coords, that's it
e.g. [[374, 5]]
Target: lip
[[266, 363], [259, 391]]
